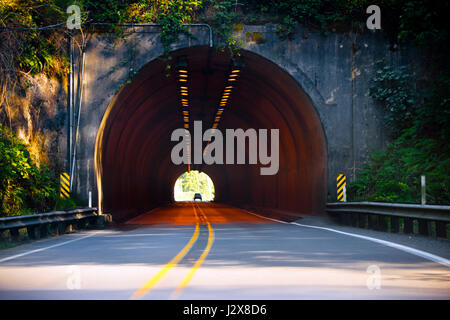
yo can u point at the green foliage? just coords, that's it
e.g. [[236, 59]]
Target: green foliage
[[393, 87], [194, 182], [425, 22], [33, 51], [420, 135], [24, 187], [171, 14], [224, 19], [38, 56], [393, 175]]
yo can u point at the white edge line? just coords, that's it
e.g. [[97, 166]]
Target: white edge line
[[45, 248], [401, 247]]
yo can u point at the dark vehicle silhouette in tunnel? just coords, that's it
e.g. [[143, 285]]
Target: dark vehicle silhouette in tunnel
[[198, 196]]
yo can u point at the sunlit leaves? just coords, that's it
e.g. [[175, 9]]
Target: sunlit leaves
[[24, 187]]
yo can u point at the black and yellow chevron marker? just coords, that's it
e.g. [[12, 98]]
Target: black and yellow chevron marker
[[341, 185], [64, 191]]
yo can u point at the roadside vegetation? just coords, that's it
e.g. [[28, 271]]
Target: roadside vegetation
[[417, 113]]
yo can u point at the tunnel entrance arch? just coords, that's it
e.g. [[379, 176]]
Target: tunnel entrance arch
[[132, 156]]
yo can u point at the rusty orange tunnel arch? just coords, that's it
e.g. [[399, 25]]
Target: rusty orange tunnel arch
[[132, 156]]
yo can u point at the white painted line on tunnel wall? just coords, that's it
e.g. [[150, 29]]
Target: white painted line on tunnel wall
[[410, 250], [45, 248]]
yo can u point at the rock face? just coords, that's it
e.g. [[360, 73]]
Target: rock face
[[36, 112]]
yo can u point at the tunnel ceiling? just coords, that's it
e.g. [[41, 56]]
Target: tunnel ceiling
[[135, 171]]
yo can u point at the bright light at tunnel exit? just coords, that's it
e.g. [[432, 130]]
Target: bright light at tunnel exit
[[193, 182]]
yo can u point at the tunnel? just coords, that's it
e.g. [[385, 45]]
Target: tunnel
[[133, 150]]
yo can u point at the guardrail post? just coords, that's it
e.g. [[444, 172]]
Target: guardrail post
[[33, 232], [408, 225], [43, 230], [372, 221], [382, 223], [346, 219], [355, 218], [441, 229], [68, 227], [57, 228], [81, 224], [395, 226], [423, 227], [14, 234], [362, 221]]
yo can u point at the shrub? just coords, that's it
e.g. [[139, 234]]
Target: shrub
[[25, 186]]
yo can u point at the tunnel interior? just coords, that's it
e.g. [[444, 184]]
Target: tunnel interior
[[133, 152]]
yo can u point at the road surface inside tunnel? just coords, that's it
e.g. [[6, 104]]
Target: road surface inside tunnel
[[211, 251]]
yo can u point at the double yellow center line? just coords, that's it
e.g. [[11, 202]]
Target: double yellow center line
[[149, 285]]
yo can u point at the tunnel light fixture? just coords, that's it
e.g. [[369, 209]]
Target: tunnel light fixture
[[182, 75], [233, 76]]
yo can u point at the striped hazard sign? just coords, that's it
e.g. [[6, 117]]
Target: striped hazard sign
[[64, 185], [341, 188]]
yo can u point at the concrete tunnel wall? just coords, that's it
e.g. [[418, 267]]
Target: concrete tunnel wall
[[334, 71], [133, 150]]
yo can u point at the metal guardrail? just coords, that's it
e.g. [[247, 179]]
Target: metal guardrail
[[57, 222], [393, 217]]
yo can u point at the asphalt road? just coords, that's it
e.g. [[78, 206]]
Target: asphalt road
[[211, 251]]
